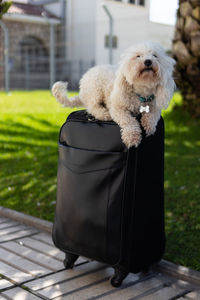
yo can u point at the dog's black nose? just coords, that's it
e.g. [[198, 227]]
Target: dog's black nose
[[148, 62]]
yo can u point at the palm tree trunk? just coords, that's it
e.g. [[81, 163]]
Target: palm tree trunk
[[186, 51]]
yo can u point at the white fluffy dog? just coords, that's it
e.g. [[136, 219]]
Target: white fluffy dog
[[142, 83]]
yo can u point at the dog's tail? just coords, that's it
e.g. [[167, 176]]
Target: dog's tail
[[59, 91]]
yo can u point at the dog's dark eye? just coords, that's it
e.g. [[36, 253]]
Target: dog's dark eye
[[155, 55], [138, 56]]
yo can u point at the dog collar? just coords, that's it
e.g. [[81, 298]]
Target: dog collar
[[146, 99]]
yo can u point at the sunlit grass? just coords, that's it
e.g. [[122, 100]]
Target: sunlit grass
[[30, 102], [182, 185], [29, 128]]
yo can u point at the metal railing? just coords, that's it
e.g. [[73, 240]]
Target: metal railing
[[26, 68], [30, 72]]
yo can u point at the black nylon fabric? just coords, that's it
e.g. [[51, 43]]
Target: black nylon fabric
[[144, 230], [110, 204], [92, 135]]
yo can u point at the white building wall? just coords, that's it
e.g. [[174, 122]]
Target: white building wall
[[80, 36], [87, 25], [81, 27], [131, 25], [163, 11]]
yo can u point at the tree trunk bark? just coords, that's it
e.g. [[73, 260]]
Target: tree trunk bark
[[186, 51]]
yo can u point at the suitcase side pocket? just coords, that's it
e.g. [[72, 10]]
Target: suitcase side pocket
[[88, 188]]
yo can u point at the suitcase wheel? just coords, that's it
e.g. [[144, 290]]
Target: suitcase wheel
[[69, 260], [119, 276]]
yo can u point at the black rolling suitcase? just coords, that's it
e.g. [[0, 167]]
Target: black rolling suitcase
[[110, 204]]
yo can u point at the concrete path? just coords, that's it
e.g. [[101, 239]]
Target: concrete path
[[32, 268]]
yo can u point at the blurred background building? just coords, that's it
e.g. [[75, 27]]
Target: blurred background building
[[50, 40]]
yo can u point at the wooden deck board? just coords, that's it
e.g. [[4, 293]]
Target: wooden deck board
[[133, 288], [195, 295], [3, 219], [62, 276], [71, 286], [42, 247], [29, 257], [22, 264], [16, 235], [7, 224], [19, 294], [14, 273], [12, 229], [96, 290], [44, 237], [164, 293], [5, 284], [34, 256]]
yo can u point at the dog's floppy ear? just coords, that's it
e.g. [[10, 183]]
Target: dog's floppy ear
[[120, 82], [126, 72], [125, 67], [164, 93], [167, 85]]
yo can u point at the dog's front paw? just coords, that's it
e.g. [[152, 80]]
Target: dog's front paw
[[101, 114], [131, 137], [150, 130], [149, 127]]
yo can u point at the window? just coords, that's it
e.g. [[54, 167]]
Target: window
[[137, 2], [34, 56], [142, 2], [114, 41]]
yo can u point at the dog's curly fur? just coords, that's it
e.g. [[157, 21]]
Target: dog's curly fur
[[110, 93]]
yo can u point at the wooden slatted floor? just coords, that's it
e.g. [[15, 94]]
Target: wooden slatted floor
[[32, 268]]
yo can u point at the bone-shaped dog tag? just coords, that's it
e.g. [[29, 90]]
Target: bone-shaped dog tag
[[144, 109]]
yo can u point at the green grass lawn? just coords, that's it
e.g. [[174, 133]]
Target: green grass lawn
[[29, 128]]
